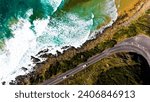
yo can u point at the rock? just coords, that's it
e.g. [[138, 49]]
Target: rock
[[34, 59], [4, 82], [21, 79], [43, 51], [44, 55], [24, 69], [58, 53], [12, 82], [65, 47]]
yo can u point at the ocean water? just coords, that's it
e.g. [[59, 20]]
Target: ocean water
[[30, 26]]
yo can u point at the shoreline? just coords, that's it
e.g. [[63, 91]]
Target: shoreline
[[101, 29], [69, 53], [21, 56]]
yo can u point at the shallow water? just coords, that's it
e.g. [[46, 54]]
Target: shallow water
[[34, 25]]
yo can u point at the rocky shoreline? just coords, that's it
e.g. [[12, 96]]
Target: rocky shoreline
[[107, 34]]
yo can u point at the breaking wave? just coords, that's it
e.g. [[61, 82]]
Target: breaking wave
[[50, 27]]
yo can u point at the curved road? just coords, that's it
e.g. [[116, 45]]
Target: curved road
[[139, 44]]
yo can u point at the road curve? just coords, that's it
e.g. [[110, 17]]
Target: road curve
[[139, 44]]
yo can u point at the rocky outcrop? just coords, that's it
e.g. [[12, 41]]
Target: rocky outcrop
[[34, 59]]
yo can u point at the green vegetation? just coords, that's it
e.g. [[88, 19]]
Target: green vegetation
[[141, 26], [64, 65], [122, 68], [118, 69]]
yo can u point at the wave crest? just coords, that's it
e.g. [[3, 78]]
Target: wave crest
[[51, 6]]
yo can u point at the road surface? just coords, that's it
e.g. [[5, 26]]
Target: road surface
[[139, 44]]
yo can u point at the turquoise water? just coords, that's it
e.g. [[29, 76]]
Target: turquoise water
[[29, 26], [43, 8]]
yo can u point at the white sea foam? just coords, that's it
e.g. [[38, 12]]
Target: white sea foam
[[27, 43], [53, 3], [49, 33], [111, 10]]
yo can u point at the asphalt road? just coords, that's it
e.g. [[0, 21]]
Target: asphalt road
[[139, 44]]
